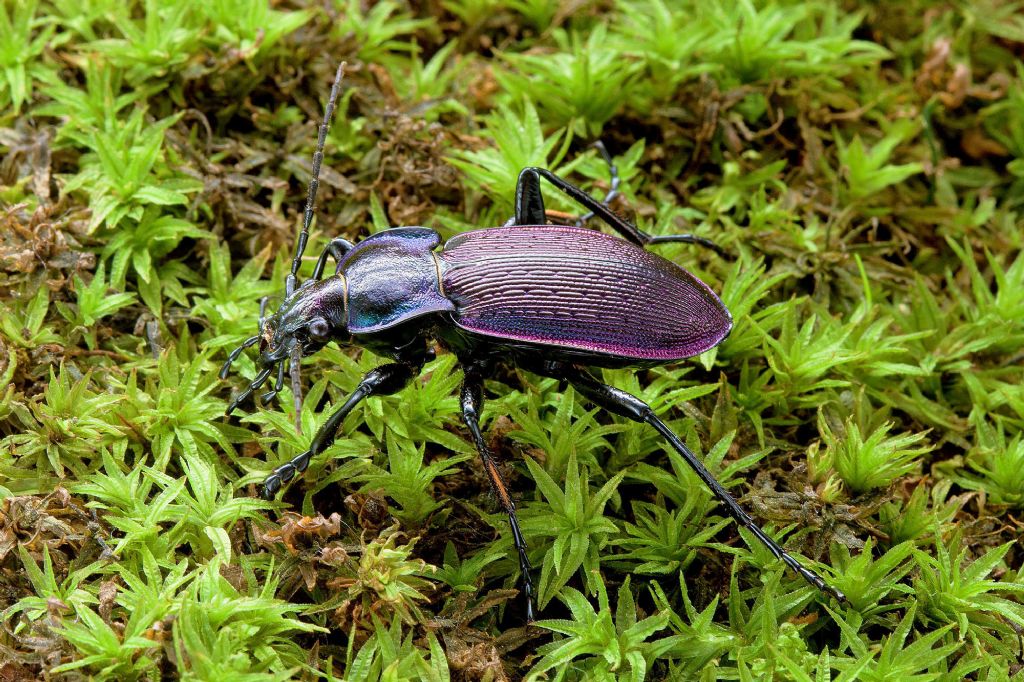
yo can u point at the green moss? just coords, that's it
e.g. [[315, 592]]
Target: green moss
[[861, 164]]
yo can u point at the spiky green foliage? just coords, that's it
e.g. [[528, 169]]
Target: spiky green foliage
[[861, 164]]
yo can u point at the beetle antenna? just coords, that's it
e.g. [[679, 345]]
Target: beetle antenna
[[314, 183], [296, 363]]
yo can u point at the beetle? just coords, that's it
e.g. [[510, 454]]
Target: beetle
[[552, 299]]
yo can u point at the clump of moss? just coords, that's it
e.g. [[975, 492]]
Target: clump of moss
[[861, 167]]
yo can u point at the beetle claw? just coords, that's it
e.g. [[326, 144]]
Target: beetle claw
[[234, 405], [270, 487]]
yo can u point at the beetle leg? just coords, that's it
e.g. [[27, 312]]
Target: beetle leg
[[337, 248], [613, 176], [627, 405], [383, 380], [687, 239], [623, 227], [263, 311], [260, 379], [620, 225], [529, 201], [278, 385], [251, 341], [472, 399]]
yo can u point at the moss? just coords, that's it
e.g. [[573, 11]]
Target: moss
[[859, 164]]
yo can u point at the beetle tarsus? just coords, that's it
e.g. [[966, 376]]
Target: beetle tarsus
[[270, 487], [260, 379], [472, 405], [285, 473], [251, 341], [688, 239], [614, 182]]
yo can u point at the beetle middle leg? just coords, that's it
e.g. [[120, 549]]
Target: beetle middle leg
[[383, 380], [530, 210], [627, 405], [472, 399], [613, 177]]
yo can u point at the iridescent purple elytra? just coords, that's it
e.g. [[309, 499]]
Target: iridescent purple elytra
[[577, 289]]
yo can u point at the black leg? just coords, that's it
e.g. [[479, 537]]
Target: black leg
[[629, 406], [258, 381], [530, 209], [623, 227], [278, 385], [337, 248], [472, 405], [380, 381], [613, 176], [251, 341], [529, 202]]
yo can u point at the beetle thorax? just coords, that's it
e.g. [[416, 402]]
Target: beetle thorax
[[393, 277]]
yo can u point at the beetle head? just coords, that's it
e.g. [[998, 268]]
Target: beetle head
[[307, 320], [312, 316]]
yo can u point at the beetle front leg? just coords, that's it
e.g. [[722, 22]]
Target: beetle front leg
[[337, 248], [383, 380], [627, 405], [472, 399]]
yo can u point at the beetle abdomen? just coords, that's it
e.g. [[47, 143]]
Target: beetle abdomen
[[578, 289]]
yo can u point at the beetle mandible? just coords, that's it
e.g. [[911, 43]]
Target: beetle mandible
[[551, 299]]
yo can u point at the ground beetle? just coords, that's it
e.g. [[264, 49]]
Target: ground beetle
[[552, 299]]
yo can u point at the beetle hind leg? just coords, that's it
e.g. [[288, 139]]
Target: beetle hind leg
[[627, 405], [472, 405], [529, 201]]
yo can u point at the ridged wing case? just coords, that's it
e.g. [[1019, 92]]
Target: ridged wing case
[[579, 290]]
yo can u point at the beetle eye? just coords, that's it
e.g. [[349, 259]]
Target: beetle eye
[[318, 329]]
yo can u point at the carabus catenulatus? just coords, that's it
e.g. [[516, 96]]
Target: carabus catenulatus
[[551, 299]]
